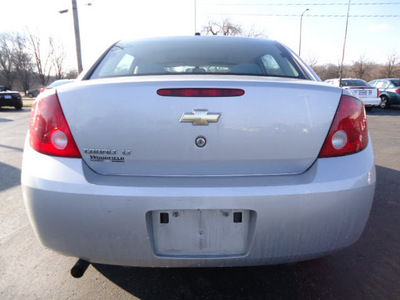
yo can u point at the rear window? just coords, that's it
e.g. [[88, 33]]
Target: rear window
[[198, 55], [354, 82], [396, 82]]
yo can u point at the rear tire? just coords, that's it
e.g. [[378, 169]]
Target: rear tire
[[30, 95], [19, 106], [384, 102], [369, 108]]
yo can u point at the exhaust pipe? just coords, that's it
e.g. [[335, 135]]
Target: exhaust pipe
[[79, 268]]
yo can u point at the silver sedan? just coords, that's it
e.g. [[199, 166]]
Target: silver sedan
[[198, 151]]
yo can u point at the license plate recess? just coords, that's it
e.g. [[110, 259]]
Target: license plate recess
[[201, 232], [362, 93]]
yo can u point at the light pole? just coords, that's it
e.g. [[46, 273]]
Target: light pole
[[77, 34], [301, 24], [344, 44], [195, 16]]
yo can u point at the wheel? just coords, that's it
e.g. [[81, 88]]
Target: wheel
[[369, 108], [384, 102], [19, 105], [30, 95]]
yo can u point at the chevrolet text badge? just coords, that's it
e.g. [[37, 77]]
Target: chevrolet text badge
[[200, 117]]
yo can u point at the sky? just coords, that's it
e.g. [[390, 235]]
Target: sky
[[372, 34]]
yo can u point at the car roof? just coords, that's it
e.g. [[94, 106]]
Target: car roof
[[199, 37], [386, 79], [345, 79]]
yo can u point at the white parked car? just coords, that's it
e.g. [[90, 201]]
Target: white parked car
[[198, 152], [368, 94]]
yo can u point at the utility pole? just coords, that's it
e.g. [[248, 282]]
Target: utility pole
[[195, 16], [77, 35], [301, 24], [344, 43]]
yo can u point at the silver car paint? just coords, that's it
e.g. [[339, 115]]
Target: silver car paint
[[113, 219], [277, 127], [105, 219]]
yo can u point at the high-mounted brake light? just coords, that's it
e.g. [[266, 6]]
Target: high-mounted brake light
[[49, 130], [200, 92], [349, 131]]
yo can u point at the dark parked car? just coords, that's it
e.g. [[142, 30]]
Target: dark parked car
[[32, 93], [10, 98], [390, 90]]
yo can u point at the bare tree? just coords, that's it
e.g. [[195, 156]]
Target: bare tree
[[57, 55], [7, 62], [71, 74], [255, 33], [392, 66], [311, 61], [226, 27], [330, 71], [23, 61], [361, 67], [43, 66]]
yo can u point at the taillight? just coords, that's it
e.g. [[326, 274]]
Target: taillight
[[200, 92], [349, 131], [49, 130], [378, 93], [398, 91]]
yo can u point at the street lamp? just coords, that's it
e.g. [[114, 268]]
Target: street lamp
[[77, 34], [301, 24], [195, 16]]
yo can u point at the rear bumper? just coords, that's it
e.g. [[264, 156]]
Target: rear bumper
[[10, 102], [371, 101], [105, 219]]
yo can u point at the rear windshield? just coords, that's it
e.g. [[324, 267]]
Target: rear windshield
[[354, 82], [198, 55], [396, 82]]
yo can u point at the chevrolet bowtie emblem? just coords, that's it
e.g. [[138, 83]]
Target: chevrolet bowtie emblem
[[200, 117]]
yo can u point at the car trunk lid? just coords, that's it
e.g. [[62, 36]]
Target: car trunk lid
[[123, 127]]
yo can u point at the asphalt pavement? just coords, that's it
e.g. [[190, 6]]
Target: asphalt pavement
[[370, 269]]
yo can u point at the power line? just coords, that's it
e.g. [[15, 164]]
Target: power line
[[316, 16], [300, 4]]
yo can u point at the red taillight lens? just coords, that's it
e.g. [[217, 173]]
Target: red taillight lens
[[398, 91], [349, 131], [49, 130], [200, 92], [378, 93]]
